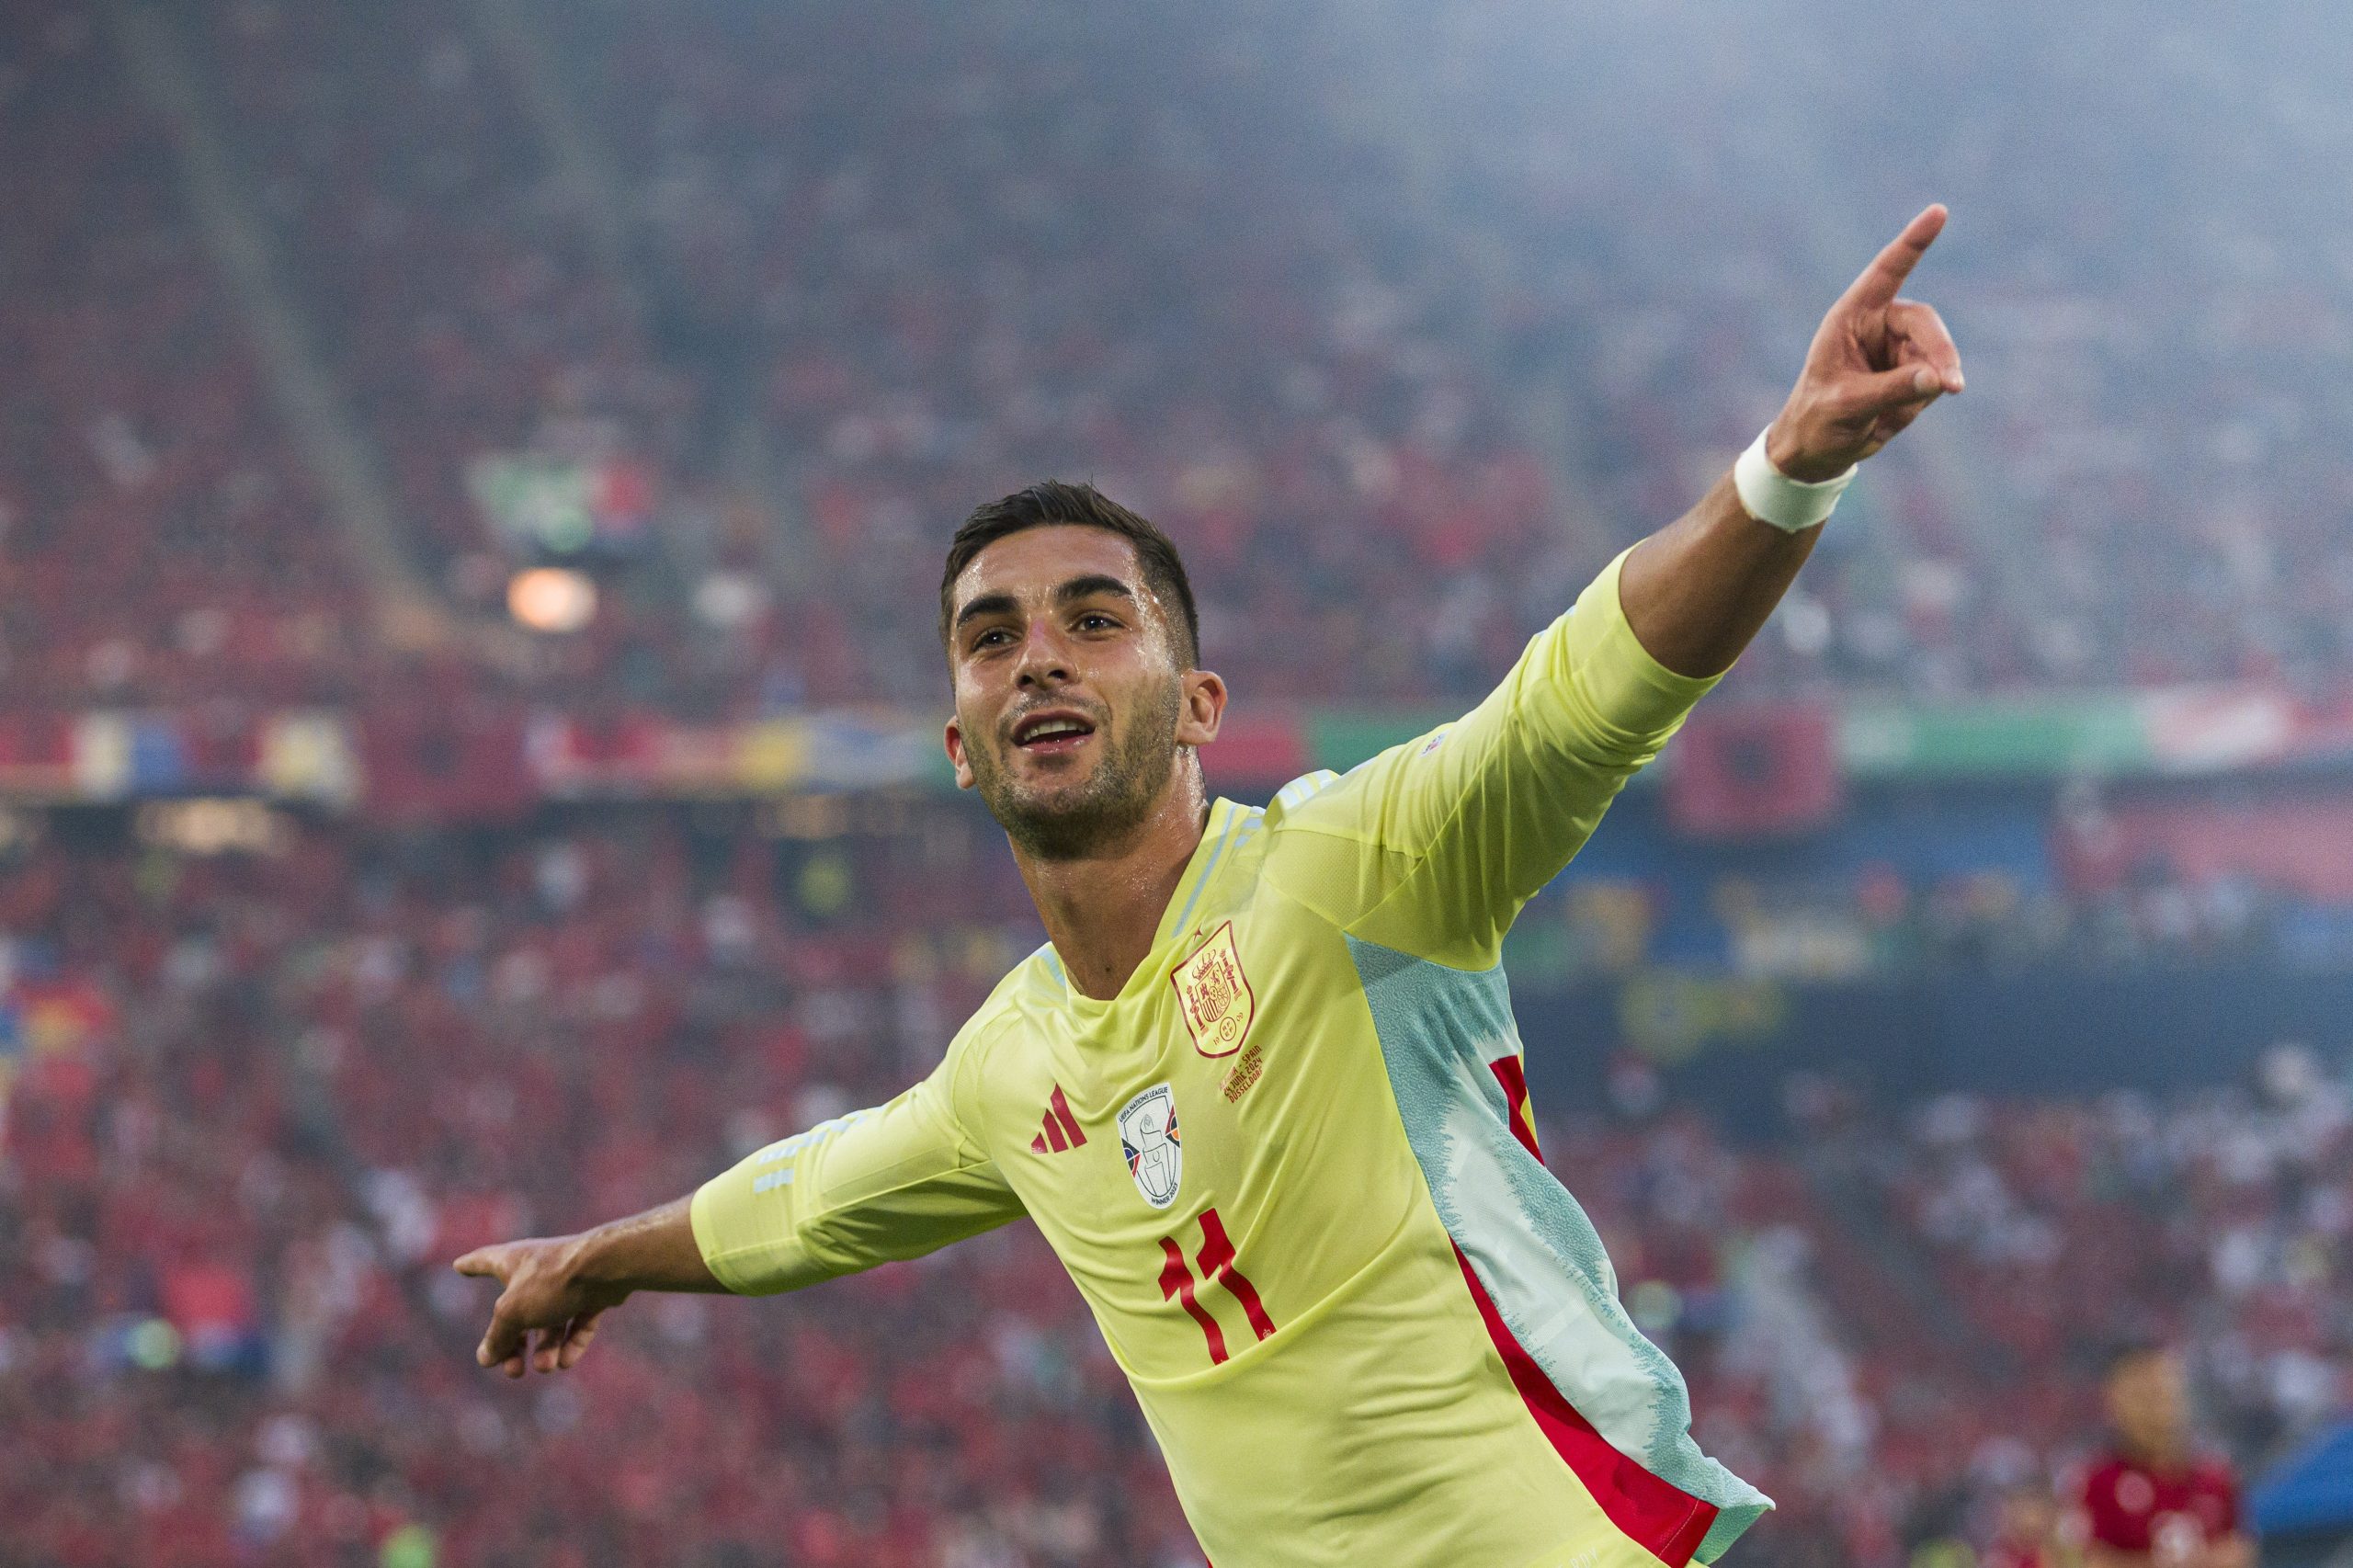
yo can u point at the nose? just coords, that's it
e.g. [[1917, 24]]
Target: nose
[[1044, 660]]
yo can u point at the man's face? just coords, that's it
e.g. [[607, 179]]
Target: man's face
[[1071, 706], [2147, 1403]]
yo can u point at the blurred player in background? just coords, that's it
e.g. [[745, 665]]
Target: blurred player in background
[[2151, 1500], [2025, 1531], [1262, 1090]]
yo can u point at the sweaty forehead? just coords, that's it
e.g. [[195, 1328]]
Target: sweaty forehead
[[1031, 564]]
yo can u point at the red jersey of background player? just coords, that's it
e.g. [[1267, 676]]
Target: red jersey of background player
[[2131, 1506], [2150, 1499]]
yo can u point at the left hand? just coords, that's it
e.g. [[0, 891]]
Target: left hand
[[1876, 362]]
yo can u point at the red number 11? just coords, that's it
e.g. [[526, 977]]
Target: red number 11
[[1215, 1259]]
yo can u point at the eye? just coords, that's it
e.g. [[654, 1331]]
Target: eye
[[983, 639], [1095, 618]]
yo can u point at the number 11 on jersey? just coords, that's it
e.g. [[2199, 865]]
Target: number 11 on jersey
[[1215, 1259]]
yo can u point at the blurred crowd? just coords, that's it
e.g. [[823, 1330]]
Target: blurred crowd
[[1397, 336], [159, 538], [2006, 1250], [1878, 921], [2146, 481], [258, 1102]]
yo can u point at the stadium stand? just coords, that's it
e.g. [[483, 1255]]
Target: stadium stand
[[143, 478], [1444, 384]]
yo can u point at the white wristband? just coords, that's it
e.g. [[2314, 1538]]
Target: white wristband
[[1771, 496]]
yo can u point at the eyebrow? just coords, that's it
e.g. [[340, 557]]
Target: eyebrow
[[1082, 587]]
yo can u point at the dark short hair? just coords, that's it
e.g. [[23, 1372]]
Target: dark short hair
[[1054, 501]]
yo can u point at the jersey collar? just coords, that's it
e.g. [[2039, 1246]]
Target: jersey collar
[[1217, 836], [1225, 822]]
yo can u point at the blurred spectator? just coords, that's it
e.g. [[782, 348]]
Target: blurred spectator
[[2025, 1529], [2149, 1497]]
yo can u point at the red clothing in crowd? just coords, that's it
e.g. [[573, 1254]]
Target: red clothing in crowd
[[2130, 1507]]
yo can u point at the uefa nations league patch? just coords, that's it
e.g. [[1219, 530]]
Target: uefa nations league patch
[[1148, 1137]]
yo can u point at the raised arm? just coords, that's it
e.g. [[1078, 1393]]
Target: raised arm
[[1700, 588], [1432, 847]]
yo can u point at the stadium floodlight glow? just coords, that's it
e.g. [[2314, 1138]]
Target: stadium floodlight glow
[[551, 599]]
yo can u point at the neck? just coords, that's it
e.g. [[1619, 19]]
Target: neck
[[1102, 910], [2164, 1455]]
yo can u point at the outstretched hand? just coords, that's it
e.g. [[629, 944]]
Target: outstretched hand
[[542, 1292], [1876, 362]]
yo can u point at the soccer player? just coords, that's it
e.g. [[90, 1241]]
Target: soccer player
[[2151, 1500], [1262, 1090]]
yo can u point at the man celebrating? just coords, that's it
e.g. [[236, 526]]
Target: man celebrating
[[1262, 1090]]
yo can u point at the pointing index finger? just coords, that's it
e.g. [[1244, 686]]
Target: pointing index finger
[[1885, 276]]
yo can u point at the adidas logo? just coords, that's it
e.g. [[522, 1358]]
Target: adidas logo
[[1062, 1128]]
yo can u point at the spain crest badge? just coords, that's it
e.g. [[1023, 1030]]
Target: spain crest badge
[[1215, 995]]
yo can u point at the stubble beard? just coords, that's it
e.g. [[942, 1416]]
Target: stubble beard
[[1083, 820]]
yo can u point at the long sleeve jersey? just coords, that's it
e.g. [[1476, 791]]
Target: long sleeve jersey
[[1291, 1169]]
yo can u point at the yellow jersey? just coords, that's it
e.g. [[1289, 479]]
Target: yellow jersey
[[1291, 1169]]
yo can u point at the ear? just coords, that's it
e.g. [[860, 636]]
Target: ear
[[956, 758], [1204, 708]]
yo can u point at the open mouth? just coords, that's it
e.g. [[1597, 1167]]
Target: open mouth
[[1052, 733]]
